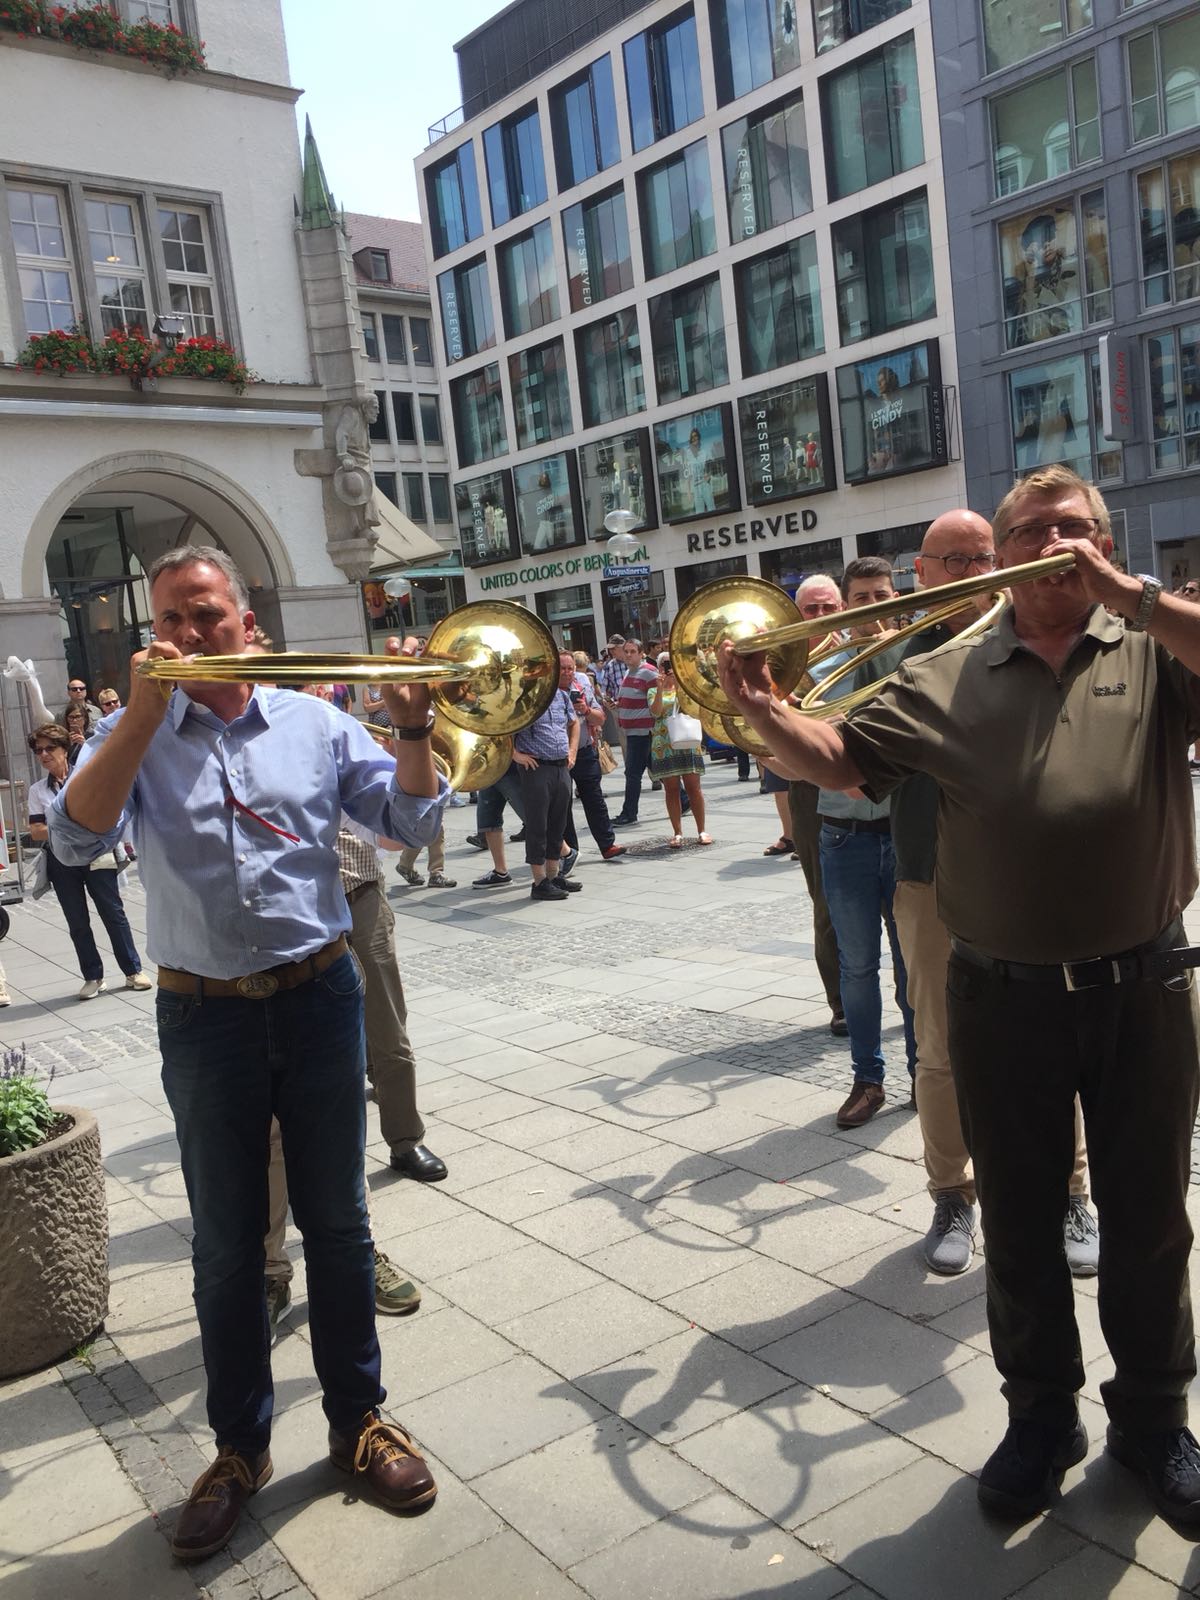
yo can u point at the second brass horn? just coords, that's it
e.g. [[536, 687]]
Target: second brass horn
[[739, 608], [467, 760]]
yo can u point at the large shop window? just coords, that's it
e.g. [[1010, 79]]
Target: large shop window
[[789, 567], [1174, 360], [767, 180], [466, 302], [1056, 418], [452, 197], [609, 353], [835, 21], [596, 242], [487, 524], [547, 495], [871, 114], [583, 122], [675, 204], [616, 474], [883, 262], [1014, 30], [694, 576], [1169, 204], [779, 307], [893, 414], [786, 441], [687, 333], [541, 407], [662, 79], [636, 608], [1046, 128], [515, 169], [1055, 269], [1164, 78], [753, 41], [477, 402], [697, 464], [528, 286]]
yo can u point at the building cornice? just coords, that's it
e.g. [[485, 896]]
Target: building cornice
[[98, 398]]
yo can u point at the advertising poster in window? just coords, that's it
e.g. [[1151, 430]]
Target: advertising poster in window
[[892, 413], [1039, 262], [697, 466], [487, 526], [547, 494], [616, 476], [785, 441]]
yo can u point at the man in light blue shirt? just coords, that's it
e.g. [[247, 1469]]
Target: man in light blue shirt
[[234, 795]]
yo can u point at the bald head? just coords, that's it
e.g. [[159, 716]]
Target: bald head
[[958, 544], [943, 533]]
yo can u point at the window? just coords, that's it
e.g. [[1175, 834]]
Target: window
[[786, 441], [42, 244], [1013, 30], [687, 334], [422, 341], [1055, 417], [370, 336], [583, 123], [871, 112], [1051, 285], [616, 474], [662, 79], [379, 265], [387, 482], [477, 403], [378, 430], [516, 172], [161, 11], [414, 496], [439, 497], [1164, 78], [753, 41], [1174, 358], [766, 168], [402, 414], [118, 263], [528, 286], [1169, 203], [697, 464], [779, 306], [539, 392], [883, 263], [393, 339], [547, 497], [676, 207], [466, 301], [610, 369], [452, 196], [596, 241], [1046, 128], [487, 526], [431, 418], [191, 287], [835, 21], [892, 414]]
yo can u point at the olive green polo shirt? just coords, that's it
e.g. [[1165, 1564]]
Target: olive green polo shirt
[[1065, 820]]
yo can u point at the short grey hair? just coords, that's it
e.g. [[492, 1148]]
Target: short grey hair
[[193, 555]]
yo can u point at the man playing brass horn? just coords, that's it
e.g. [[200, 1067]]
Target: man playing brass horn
[[1065, 858]]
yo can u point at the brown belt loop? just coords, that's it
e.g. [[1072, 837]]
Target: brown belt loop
[[255, 985]]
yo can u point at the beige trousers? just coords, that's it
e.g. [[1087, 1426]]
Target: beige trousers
[[437, 854], [925, 944]]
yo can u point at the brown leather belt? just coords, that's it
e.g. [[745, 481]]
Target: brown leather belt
[[255, 985]]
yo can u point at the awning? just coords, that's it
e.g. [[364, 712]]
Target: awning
[[450, 568], [400, 539]]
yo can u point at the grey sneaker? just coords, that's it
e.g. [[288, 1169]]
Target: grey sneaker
[[279, 1303], [951, 1236], [411, 875], [1081, 1239], [5, 997], [438, 880]]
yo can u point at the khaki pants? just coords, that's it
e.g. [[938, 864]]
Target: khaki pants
[[926, 947], [437, 856], [806, 834]]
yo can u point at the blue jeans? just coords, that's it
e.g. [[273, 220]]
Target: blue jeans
[[228, 1066], [859, 874], [637, 759], [72, 886]]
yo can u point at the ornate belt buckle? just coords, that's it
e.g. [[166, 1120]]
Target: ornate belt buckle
[[257, 986]]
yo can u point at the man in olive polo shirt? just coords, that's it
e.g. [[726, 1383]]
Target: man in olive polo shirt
[[1065, 859]]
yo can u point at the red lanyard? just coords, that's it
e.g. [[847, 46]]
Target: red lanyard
[[232, 800]]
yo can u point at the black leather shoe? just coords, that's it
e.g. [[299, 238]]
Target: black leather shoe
[[568, 884], [1168, 1463], [420, 1163], [1022, 1475], [838, 1026]]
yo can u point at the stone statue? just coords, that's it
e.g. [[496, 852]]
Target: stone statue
[[353, 480]]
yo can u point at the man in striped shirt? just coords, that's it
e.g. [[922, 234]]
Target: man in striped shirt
[[633, 714]]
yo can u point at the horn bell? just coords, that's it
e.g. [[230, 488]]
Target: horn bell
[[514, 666], [732, 608]]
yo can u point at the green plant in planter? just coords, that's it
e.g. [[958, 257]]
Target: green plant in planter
[[63, 350], [26, 1115], [128, 351]]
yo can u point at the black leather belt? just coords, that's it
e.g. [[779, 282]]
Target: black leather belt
[[1158, 958], [857, 824]]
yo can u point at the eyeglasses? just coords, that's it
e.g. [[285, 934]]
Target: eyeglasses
[[1189, 588], [957, 563], [77, 688], [1033, 534], [819, 608], [44, 749]]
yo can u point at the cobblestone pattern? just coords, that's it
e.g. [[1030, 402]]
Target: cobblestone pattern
[[162, 1462]]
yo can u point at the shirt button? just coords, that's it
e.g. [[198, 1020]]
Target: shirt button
[[241, 858], [253, 949], [245, 902]]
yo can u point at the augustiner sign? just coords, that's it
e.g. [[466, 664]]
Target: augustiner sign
[[756, 531], [545, 571]]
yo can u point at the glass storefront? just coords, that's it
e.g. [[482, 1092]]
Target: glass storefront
[[697, 464], [547, 496], [616, 475], [102, 590], [568, 614], [892, 414], [689, 579], [635, 606], [786, 441], [487, 526], [435, 593], [789, 568]]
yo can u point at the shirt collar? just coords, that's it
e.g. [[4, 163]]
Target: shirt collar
[[1002, 643], [181, 705]]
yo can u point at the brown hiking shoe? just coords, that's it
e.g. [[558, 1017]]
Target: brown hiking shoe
[[212, 1510], [863, 1102], [388, 1461]]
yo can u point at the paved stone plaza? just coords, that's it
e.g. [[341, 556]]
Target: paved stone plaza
[[677, 1341]]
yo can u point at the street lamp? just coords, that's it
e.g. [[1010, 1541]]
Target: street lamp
[[622, 542], [397, 588], [169, 329]]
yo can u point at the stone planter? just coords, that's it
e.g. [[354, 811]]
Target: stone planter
[[53, 1247]]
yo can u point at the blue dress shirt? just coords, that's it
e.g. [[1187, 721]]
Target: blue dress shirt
[[234, 888], [547, 737]]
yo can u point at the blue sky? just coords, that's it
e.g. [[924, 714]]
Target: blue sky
[[375, 75]]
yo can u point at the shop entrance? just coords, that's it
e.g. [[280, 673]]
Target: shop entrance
[[569, 616], [635, 607]]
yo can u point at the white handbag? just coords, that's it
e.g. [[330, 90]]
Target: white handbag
[[684, 732]]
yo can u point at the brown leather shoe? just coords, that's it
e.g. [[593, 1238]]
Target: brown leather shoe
[[211, 1512], [864, 1101], [390, 1464]]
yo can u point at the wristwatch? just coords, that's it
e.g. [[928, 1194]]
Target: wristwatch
[[1151, 589], [414, 734]]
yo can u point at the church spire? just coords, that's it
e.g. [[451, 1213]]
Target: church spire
[[317, 206]]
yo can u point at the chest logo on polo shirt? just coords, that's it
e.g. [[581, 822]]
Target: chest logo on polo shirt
[[1108, 688]]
